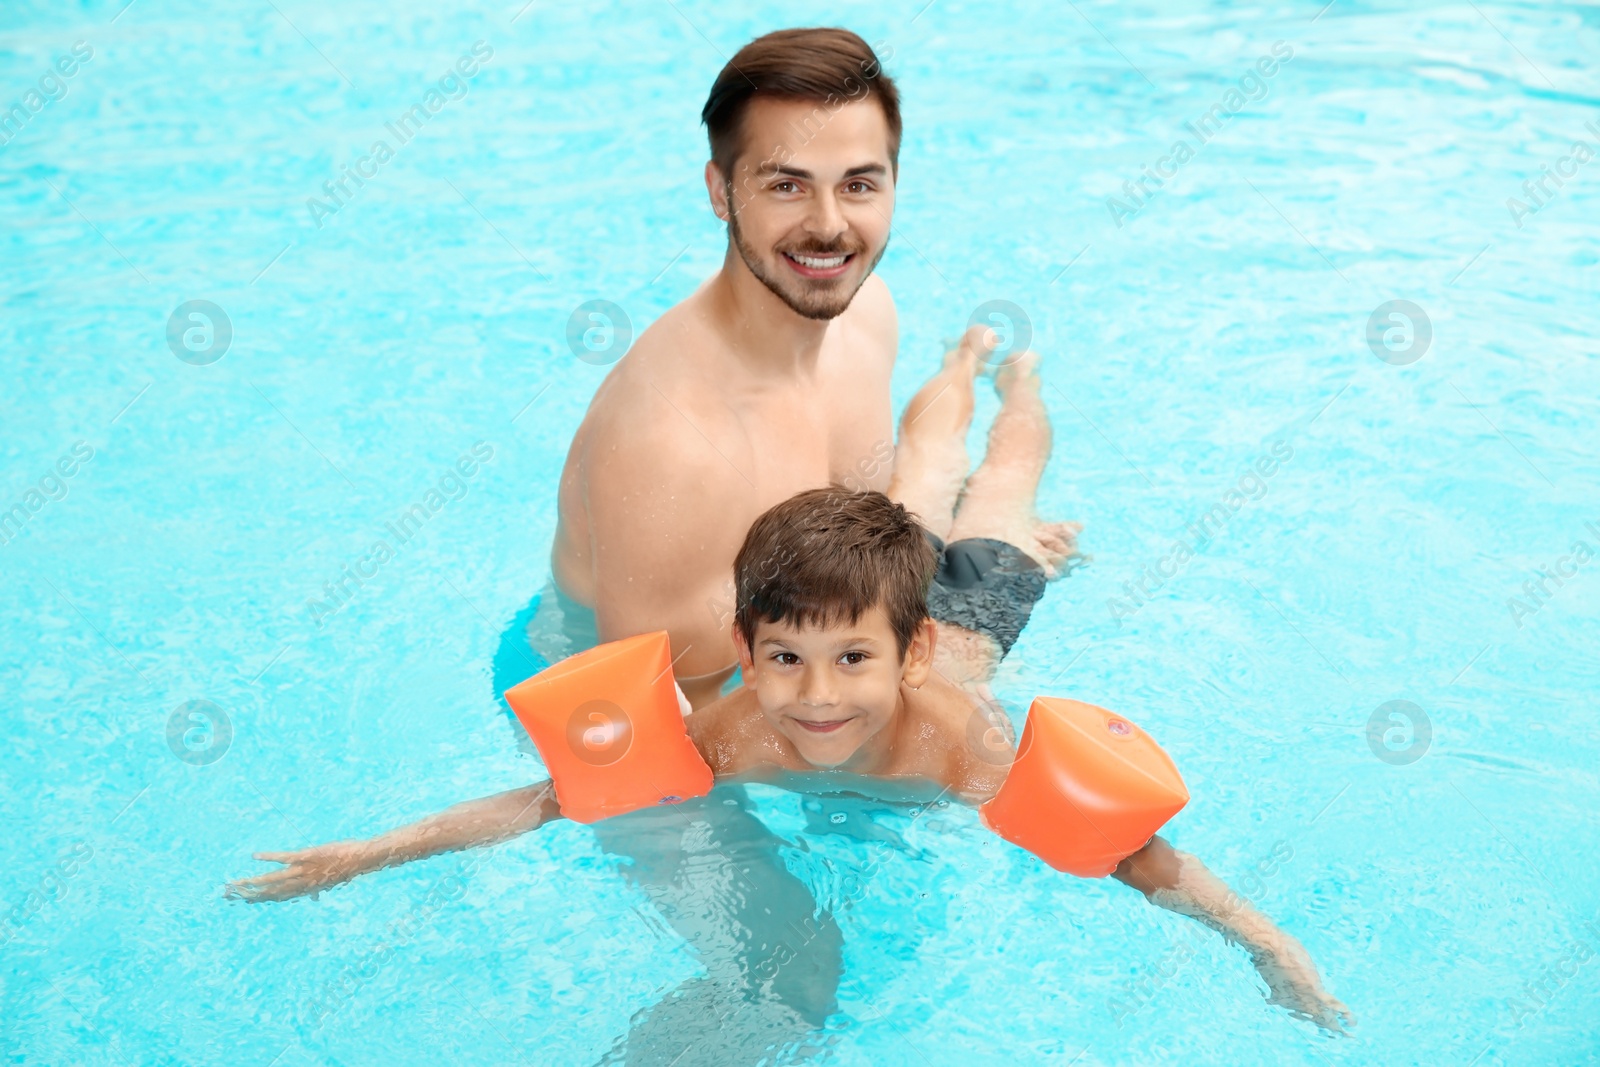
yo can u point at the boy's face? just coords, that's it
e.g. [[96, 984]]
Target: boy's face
[[832, 691]]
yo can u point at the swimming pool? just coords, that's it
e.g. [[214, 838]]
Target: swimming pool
[[1434, 855]]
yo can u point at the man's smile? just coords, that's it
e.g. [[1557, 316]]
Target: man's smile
[[815, 266]]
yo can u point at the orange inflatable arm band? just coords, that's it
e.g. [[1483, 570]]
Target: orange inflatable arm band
[[609, 727], [1087, 790]]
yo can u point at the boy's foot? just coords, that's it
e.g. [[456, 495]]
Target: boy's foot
[[1053, 545], [1020, 369], [972, 351]]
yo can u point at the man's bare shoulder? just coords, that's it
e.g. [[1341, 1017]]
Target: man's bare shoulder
[[876, 302], [664, 390], [655, 410], [873, 313]]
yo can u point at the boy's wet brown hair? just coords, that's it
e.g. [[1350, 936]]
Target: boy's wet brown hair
[[833, 67], [825, 557]]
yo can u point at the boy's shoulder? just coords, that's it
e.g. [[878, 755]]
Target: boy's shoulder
[[731, 733], [946, 739], [952, 742]]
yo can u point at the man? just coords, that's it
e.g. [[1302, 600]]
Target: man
[[771, 378]]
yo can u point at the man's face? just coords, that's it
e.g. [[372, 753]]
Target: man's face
[[828, 691], [810, 200]]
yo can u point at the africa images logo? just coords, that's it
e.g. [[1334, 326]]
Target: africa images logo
[[1253, 86], [1199, 533], [452, 85], [452, 485]]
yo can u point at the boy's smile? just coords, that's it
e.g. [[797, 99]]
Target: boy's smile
[[822, 727]]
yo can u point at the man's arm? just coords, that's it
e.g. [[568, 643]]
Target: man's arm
[[668, 509], [1180, 883], [473, 823]]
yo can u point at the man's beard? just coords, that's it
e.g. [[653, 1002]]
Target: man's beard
[[811, 302]]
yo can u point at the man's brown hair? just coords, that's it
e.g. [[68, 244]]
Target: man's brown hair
[[827, 556], [831, 66]]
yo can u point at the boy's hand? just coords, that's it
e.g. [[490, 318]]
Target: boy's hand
[[470, 824], [310, 870], [1179, 882], [1295, 985]]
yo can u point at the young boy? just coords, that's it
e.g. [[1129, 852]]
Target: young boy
[[840, 697]]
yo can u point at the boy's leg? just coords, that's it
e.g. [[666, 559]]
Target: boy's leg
[[967, 658], [997, 504], [998, 500], [930, 460]]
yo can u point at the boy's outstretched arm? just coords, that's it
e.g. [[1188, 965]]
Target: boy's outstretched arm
[[484, 821], [1179, 882]]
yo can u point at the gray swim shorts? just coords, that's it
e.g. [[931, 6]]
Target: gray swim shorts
[[985, 585]]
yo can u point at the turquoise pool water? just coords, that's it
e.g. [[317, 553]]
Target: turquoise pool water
[[1435, 856]]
